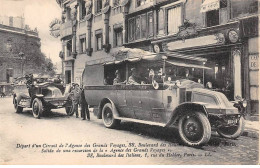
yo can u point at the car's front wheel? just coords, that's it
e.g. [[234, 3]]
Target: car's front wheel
[[37, 108], [194, 129], [232, 132], [17, 108], [108, 117]]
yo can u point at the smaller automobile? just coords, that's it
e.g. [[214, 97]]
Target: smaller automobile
[[42, 94]]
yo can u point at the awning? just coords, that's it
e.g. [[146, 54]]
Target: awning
[[181, 64], [185, 56], [209, 5]]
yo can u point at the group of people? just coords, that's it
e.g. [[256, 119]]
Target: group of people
[[78, 98], [133, 78]]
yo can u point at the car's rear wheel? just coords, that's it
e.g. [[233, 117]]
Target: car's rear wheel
[[69, 107], [108, 117], [232, 132], [194, 129], [37, 108], [17, 108]]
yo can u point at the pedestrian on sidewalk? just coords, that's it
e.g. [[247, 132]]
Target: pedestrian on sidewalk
[[84, 106]]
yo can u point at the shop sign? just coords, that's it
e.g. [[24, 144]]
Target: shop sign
[[253, 61], [197, 42], [55, 26]]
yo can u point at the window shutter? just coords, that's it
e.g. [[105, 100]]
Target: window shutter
[[138, 27], [174, 20]]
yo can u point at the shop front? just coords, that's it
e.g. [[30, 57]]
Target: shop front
[[220, 46]]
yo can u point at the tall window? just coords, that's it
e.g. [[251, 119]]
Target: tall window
[[242, 8], [99, 39], [98, 6], [216, 17], [141, 2], [69, 48], [82, 9], [116, 3], [140, 27], [82, 40], [174, 19], [118, 37]]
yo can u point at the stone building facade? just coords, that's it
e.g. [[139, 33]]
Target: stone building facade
[[225, 32], [18, 45]]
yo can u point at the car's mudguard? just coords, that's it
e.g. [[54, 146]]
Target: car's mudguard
[[101, 105], [185, 108]]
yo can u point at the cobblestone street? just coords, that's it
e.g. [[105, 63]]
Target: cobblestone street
[[58, 128]]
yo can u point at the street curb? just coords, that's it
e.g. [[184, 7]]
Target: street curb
[[251, 134]]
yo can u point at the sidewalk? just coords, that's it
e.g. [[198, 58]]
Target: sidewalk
[[251, 129]]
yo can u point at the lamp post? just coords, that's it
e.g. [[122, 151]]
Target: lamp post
[[22, 57]]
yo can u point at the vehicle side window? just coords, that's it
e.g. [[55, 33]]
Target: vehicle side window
[[204, 98]]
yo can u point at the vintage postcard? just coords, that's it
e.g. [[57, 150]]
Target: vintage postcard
[[129, 82]]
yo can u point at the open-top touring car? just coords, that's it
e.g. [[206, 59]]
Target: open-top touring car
[[42, 94]]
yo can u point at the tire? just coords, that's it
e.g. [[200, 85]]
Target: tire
[[17, 108], [194, 129], [108, 117], [69, 107], [37, 108], [232, 132]]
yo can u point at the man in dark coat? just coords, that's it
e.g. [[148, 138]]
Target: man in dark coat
[[75, 94], [84, 106]]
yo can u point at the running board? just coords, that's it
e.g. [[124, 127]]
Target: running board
[[141, 121]]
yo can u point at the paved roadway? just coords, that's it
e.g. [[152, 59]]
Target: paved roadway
[[57, 129]]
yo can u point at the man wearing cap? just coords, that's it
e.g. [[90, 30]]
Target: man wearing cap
[[84, 106]]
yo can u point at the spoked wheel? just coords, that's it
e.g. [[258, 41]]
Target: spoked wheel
[[232, 132], [69, 107], [17, 108], [194, 129], [108, 117], [37, 108]]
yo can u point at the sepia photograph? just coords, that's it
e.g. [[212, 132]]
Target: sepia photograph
[[129, 82]]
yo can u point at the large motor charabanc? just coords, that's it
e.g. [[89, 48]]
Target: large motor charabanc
[[163, 91], [41, 94]]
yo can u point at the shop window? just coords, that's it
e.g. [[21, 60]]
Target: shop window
[[216, 17], [242, 8], [118, 37], [82, 9], [174, 19], [141, 2], [99, 40], [98, 6], [82, 40]]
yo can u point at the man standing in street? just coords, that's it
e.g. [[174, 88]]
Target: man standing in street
[[75, 94], [84, 106]]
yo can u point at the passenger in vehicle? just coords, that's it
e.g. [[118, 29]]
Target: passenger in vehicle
[[133, 79], [117, 80]]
